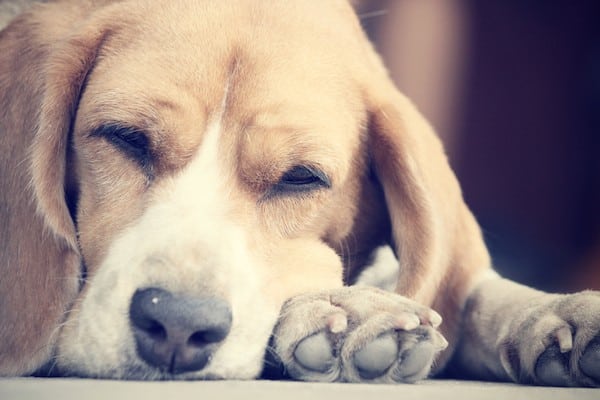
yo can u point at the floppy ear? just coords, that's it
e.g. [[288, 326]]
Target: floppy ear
[[42, 71], [436, 239]]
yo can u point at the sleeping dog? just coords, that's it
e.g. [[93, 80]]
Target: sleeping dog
[[182, 181]]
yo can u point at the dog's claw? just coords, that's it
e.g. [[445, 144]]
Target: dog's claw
[[564, 337], [315, 353], [337, 323], [407, 322], [432, 318]]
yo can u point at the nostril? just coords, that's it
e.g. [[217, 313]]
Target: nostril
[[202, 338], [156, 331], [144, 315], [197, 340]]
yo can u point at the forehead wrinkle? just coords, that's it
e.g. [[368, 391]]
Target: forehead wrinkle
[[138, 110]]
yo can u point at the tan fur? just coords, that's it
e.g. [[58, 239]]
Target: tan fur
[[168, 68]]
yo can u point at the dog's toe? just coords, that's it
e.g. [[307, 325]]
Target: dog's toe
[[590, 360], [376, 357], [397, 356], [382, 356], [416, 362], [315, 353], [551, 367]]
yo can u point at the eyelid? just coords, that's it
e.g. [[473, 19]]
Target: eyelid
[[124, 138], [111, 128], [319, 174], [286, 187], [315, 172]]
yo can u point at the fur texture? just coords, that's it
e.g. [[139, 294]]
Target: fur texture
[[255, 152]]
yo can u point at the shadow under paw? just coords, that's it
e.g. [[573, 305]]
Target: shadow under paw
[[590, 360]]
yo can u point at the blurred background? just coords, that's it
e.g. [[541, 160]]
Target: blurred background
[[513, 89]]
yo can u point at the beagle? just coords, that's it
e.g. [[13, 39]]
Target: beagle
[[187, 184]]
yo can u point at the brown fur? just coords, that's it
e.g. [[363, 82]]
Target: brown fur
[[408, 160], [70, 66]]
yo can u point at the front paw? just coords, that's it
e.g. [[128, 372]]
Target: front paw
[[357, 334], [556, 342]]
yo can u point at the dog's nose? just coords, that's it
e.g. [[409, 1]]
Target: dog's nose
[[177, 333]]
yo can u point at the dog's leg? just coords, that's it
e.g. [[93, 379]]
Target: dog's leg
[[357, 334], [512, 331]]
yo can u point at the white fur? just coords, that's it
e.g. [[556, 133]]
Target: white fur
[[185, 242], [383, 271]]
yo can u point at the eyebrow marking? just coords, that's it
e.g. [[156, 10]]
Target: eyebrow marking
[[162, 103]]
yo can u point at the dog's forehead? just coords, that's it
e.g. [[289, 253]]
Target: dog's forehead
[[195, 43], [282, 64]]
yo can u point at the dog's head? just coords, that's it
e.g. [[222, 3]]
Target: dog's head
[[194, 164]]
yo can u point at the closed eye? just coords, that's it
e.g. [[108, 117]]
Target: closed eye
[[301, 178], [131, 141]]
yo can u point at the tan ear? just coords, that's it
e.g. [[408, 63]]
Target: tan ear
[[42, 70], [437, 241]]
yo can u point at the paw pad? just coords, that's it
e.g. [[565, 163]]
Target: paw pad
[[590, 360], [315, 353], [376, 357]]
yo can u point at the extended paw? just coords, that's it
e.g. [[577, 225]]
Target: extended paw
[[357, 334], [557, 342]]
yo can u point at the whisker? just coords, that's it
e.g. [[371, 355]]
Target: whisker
[[372, 14]]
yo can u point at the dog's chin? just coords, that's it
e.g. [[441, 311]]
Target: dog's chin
[[228, 363], [139, 371]]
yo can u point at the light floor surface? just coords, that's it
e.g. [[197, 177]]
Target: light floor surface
[[84, 389]]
